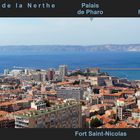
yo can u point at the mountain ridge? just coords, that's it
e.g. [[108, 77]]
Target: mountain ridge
[[44, 49]]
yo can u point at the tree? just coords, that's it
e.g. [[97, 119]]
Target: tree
[[76, 83], [47, 103], [93, 113], [95, 122]]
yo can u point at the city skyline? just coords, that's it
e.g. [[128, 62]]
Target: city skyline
[[50, 98]]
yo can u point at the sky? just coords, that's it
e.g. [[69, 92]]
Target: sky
[[69, 31]]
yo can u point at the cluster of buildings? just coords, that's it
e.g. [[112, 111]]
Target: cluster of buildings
[[63, 98]]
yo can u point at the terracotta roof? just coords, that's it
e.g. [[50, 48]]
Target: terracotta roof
[[121, 99], [6, 103], [115, 94], [105, 119], [15, 102], [24, 100], [11, 91], [51, 92], [98, 117], [3, 113], [136, 110], [72, 77], [5, 119], [107, 125], [122, 124], [22, 111], [64, 83]]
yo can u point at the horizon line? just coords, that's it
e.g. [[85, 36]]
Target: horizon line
[[70, 44]]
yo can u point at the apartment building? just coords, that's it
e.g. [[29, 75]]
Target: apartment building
[[70, 92], [111, 98], [7, 122], [64, 115]]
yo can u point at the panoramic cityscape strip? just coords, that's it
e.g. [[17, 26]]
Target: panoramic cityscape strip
[[63, 98]]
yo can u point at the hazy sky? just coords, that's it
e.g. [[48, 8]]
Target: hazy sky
[[71, 31]]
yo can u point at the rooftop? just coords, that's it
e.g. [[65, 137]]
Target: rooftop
[[136, 110], [5, 119], [3, 113], [34, 113]]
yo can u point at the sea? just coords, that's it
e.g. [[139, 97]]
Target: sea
[[78, 60]]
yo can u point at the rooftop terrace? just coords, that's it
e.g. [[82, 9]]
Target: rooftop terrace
[[35, 113]]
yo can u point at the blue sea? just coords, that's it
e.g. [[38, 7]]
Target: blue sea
[[78, 60]]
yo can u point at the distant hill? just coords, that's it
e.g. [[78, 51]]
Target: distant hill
[[45, 49]]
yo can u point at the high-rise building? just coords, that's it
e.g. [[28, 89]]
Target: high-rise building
[[6, 71], [64, 115], [62, 71], [7, 122], [50, 74], [26, 71]]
